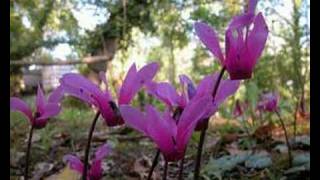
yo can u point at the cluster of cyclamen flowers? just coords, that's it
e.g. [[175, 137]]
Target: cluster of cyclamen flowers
[[186, 111]]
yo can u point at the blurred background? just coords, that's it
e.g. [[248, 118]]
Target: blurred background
[[51, 37]]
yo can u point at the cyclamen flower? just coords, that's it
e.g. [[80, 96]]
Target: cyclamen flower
[[44, 108], [80, 87], [166, 93], [170, 137], [243, 45], [95, 171], [269, 102], [239, 108]]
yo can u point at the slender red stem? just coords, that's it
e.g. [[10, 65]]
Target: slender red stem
[[165, 170], [87, 151], [204, 130], [287, 139], [28, 153], [154, 164]]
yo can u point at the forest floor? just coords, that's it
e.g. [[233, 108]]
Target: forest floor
[[229, 153]]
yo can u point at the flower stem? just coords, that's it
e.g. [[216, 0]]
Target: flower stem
[[154, 164], [180, 177], [87, 151], [287, 139], [204, 130], [199, 152], [165, 170], [28, 153]]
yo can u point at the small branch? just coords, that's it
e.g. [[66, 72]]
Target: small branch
[[28, 153], [87, 60], [87, 151]]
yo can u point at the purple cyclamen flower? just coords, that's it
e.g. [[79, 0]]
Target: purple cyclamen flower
[[170, 137], [44, 108], [268, 102], [166, 93], [95, 171], [80, 87], [243, 44]]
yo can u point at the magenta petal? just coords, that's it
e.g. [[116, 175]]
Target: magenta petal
[[17, 104], [74, 163], [252, 6], [147, 73], [80, 87], [50, 110], [95, 172], [162, 130], [102, 151], [193, 112], [134, 118], [56, 95], [40, 100], [209, 38], [206, 85], [135, 80], [241, 21], [257, 37], [165, 92], [129, 86], [226, 89], [186, 81]]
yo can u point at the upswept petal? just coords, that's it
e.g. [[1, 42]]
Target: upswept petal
[[40, 100], [252, 6], [134, 118], [80, 87], [189, 118], [164, 92], [129, 85], [102, 151], [257, 37], [226, 88], [17, 104], [135, 80], [49, 110], [56, 95], [206, 85], [240, 21], [95, 172], [185, 81], [74, 163], [147, 73], [209, 38], [161, 130]]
